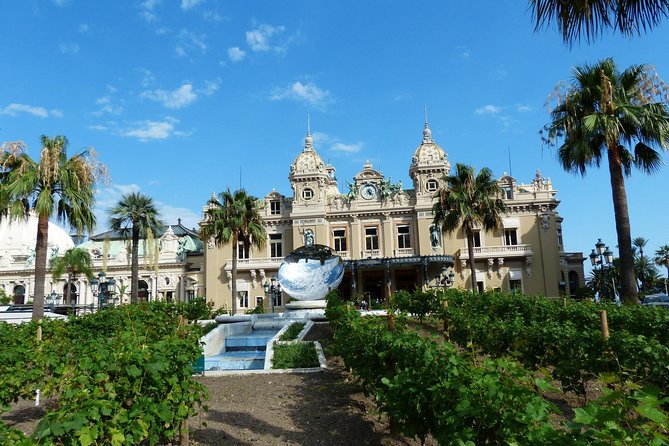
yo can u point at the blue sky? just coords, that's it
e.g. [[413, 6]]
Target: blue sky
[[181, 98]]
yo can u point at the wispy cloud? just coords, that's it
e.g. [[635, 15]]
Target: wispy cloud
[[15, 109], [68, 48], [308, 93], [108, 104], [212, 16], [236, 54], [151, 130], [331, 143], [259, 38], [488, 110], [189, 4], [147, 10], [178, 98], [211, 87], [188, 41], [148, 79], [523, 108]]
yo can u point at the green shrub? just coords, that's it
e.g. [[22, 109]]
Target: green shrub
[[295, 356], [291, 333], [257, 310]]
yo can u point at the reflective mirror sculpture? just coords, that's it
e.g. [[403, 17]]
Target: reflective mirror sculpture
[[310, 272]]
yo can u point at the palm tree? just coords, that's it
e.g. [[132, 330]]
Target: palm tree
[[74, 262], [591, 17], [135, 216], [662, 259], [641, 264], [600, 113], [603, 281], [234, 218], [54, 186], [467, 201]]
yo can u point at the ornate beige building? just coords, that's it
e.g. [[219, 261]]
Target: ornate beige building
[[385, 234]]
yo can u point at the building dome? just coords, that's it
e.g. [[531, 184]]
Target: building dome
[[18, 237], [308, 161], [428, 152]]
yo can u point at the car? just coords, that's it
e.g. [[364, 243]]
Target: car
[[656, 300]]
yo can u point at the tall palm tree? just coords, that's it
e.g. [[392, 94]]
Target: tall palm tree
[[134, 217], [662, 259], [74, 262], [600, 113], [468, 201], [55, 186], [234, 217], [591, 17], [641, 264]]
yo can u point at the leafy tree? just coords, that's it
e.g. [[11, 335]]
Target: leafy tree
[[601, 113], [467, 201], [589, 18], [641, 264], [135, 216], [234, 217], [56, 186], [605, 281], [74, 262]]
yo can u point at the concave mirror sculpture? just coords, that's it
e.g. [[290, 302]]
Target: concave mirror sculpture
[[310, 272]]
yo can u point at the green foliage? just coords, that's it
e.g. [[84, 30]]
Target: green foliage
[[292, 331], [295, 355], [257, 310], [4, 298], [419, 303], [197, 308], [119, 376], [435, 388]]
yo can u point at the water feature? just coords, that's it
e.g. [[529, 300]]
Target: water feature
[[242, 351]]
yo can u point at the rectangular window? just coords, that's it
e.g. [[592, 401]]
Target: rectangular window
[[243, 299], [275, 245], [480, 286], [403, 237], [510, 237], [279, 301], [371, 238], [559, 237], [516, 285], [507, 192], [190, 295], [477, 239], [339, 239], [242, 253], [275, 207]]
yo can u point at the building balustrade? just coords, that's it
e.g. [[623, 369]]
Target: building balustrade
[[506, 251], [257, 262], [371, 253], [404, 252]]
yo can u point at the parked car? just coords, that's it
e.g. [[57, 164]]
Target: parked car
[[656, 300]]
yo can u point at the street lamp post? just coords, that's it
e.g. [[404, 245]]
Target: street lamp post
[[52, 300], [273, 288], [103, 288], [445, 278], [601, 256]]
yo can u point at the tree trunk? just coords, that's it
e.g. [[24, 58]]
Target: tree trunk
[[134, 268], [40, 265], [235, 249], [628, 288], [470, 251]]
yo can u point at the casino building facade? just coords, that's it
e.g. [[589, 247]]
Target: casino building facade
[[384, 233]]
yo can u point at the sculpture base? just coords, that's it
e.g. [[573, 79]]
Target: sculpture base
[[305, 309]]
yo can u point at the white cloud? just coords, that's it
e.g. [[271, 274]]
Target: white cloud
[[178, 98], [259, 39], [347, 148], [188, 40], [212, 16], [523, 108], [170, 215], [107, 105], [147, 10], [333, 144], [14, 109], [189, 4], [308, 93], [148, 78], [211, 87], [68, 48], [488, 110], [148, 130], [56, 113], [236, 54]]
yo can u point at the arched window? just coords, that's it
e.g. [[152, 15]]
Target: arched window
[[143, 292], [19, 294], [574, 281], [73, 294]]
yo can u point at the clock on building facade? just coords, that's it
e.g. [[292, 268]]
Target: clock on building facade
[[368, 191]]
